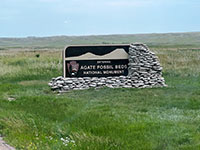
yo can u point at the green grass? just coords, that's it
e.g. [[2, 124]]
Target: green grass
[[33, 117], [165, 40]]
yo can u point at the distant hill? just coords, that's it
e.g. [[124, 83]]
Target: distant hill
[[152, 40]]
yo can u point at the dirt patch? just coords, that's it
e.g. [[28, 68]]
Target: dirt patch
[[4, 146]]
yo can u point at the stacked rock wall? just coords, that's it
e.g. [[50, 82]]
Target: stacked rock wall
[[144, 66], [144, 71]]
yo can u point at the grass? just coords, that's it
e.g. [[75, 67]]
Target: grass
[[33, 117], [182, 40]]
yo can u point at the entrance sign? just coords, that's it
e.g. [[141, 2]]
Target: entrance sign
[[95, 60]]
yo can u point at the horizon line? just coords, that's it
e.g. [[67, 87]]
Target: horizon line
[[84, 35]]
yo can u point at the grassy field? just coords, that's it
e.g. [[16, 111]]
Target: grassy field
[[33, 117], [188, 39]]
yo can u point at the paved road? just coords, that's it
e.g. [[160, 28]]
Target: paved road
[[4, 146]]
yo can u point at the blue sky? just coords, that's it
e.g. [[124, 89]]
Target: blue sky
[[21, 18]]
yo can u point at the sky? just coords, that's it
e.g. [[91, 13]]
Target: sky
[[22, 18]]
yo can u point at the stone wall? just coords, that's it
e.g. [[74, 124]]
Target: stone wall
[[144, 66], [144, 71]]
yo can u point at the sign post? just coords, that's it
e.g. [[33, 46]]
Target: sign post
[[95, 60]]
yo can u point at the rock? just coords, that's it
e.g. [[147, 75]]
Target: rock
[[103, 81], [66, 88], [54, 87], [100, 84], [109, 81], [109, 85], [58, 78], [115, 85], [60, 82], [50, 84], [93, 85], [69, 82], [127, 86], [59, 86]]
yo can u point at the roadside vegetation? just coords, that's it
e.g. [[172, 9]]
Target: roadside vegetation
[[33, 117]]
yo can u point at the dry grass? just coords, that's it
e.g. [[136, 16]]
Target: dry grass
[[180, 61]]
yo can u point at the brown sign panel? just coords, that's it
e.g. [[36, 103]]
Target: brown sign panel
[[95, 60]]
